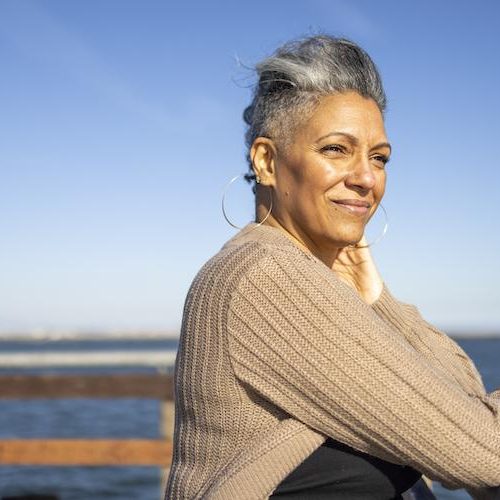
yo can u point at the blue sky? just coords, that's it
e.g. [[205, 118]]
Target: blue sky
[[121, 124]]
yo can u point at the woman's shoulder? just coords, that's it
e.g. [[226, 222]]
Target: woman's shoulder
[[239, 255], [251, 250]]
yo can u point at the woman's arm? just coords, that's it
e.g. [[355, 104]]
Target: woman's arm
[[437, 346], [434, 344], [356, 267], [302, 338]]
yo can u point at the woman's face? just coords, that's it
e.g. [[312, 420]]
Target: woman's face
[[335, 160]]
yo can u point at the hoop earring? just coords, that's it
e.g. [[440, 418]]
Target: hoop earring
[[386, 226], [224, 213]]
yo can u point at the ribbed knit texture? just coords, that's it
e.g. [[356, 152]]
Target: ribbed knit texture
[[276, 353]]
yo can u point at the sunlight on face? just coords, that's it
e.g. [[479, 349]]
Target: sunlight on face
[[334, 165]]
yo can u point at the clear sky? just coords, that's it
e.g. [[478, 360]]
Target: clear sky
[[120, 124]]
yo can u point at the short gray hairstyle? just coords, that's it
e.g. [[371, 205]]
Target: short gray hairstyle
[[291, 81]]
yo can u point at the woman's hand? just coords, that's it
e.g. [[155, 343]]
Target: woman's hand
[[355, 266]]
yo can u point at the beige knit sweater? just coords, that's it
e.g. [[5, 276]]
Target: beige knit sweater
[[276, 353]]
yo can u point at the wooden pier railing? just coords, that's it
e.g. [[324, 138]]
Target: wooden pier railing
[[80, 452]]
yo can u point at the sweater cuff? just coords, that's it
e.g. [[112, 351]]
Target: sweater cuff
[[389, 308]]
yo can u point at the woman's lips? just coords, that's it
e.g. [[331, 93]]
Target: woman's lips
[[357, 207]]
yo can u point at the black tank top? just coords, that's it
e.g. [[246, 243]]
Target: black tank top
[[337, 471]]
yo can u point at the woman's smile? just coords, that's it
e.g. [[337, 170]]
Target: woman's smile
[[356, 207]]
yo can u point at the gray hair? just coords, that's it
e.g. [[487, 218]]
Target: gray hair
[[296, 75]]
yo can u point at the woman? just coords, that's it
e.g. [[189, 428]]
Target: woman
[[298, 374]]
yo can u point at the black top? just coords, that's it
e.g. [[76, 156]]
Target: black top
[[337, 471]]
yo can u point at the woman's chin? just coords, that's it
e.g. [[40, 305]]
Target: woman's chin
[[339, 243], [347, 238]]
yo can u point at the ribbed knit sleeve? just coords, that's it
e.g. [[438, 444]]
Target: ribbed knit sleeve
[[306, 342], [434, 344]]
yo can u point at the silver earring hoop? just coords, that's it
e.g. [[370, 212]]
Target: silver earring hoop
[[386, 226], [224, 213]]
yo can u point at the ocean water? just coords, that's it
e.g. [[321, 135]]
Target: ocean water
[[125, 418]]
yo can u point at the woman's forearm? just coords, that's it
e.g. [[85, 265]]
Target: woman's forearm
[[356, 267], [438, 347]]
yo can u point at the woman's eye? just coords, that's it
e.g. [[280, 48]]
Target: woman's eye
[[381, 159], [335, 148]]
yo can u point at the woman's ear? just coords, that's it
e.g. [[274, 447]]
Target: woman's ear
[[263, 154]]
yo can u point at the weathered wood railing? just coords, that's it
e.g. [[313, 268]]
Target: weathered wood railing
[[90, 451]]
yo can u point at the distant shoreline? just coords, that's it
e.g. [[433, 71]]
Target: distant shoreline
[[46, 335], [475, 336], [76, 335]]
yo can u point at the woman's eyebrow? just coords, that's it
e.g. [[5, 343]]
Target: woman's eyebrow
[[354, 140], [350, 137], [382, 145]]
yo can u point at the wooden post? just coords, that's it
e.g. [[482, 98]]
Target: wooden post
[[167, 421]]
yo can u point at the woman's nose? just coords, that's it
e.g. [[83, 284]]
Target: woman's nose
[[361, 174]]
